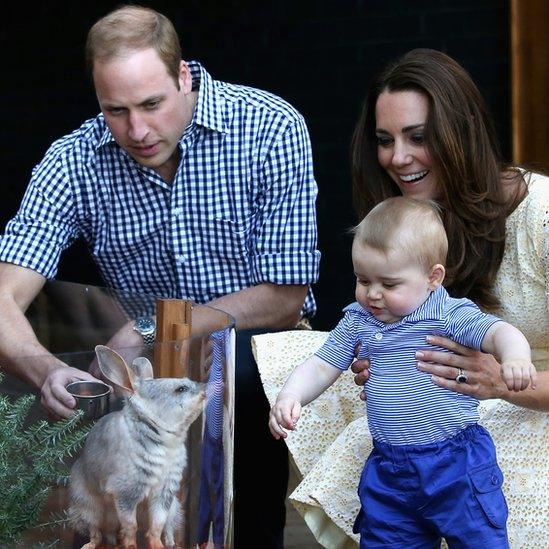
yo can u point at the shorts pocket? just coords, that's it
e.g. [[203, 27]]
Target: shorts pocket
[[487, 483]]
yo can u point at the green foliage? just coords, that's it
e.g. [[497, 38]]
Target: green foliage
[[31, 463]]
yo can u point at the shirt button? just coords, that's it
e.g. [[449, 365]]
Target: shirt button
[[181, 258], [177, 212], [379, 336], [494, 480]]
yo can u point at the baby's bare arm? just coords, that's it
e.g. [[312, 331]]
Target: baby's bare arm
[[306, 382], [511, 347]]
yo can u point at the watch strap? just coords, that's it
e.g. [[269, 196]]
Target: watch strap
[[146, 327]]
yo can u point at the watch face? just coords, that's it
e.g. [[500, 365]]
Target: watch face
[[144, 325]]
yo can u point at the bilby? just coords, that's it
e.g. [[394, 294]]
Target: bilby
[[136, 455]]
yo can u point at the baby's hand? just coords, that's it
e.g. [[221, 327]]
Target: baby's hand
[[518, 374], [284, 414]]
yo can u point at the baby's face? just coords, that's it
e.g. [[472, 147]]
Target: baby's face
[[389, 286]]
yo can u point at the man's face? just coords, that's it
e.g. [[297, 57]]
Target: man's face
[[144, 108]]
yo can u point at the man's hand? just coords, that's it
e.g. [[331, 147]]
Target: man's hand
[[55, 398]]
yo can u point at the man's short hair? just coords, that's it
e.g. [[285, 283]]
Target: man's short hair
[[133, 28]]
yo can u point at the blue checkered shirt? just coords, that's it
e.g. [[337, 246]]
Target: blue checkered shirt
[[240, 211], [404, 406]]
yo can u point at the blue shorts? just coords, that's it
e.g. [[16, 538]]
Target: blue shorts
[[412, 496]]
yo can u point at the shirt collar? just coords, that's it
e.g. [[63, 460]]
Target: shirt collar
[[209, 109], [431, 309], [210, 104], [107, 136]]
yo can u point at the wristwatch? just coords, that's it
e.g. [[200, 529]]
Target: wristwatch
[[146, 326]]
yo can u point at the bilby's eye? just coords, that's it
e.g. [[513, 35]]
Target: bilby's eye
[[182, 389]]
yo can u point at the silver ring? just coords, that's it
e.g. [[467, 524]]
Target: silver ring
[[461, 377]]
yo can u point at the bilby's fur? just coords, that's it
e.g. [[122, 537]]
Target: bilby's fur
[[133, 456]]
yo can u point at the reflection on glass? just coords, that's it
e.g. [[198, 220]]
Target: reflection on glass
[[70, 320]]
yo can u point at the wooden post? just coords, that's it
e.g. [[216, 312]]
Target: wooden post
[[171, 359], [173, 330], [530, 81]]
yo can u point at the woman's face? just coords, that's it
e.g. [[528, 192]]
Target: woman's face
[[401, 117]]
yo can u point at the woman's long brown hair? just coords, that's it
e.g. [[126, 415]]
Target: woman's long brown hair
[[462, 143]]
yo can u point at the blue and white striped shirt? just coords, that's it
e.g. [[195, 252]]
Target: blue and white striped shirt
[[240, 211], [403, 405]]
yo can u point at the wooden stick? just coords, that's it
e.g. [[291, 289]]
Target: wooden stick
[[173, 324], [180, 350]]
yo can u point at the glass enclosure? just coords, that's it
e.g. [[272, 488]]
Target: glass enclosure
[[194, 342]]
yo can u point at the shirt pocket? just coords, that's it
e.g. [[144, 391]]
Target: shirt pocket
[[226, 239]]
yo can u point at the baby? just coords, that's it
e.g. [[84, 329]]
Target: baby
[[433, 470]]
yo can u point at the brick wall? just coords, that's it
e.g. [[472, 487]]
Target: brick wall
[[317, 54]]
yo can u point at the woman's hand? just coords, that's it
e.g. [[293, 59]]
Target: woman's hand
[[482, 371]]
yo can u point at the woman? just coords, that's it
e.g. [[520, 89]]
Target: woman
[[456, 146], [424, 132]]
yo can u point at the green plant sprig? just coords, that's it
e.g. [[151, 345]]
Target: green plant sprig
[[32, 462]]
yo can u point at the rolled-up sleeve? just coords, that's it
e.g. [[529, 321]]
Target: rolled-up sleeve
[[286, 231], [45, 223]]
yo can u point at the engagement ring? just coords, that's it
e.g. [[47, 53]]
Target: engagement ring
[[461, 377]]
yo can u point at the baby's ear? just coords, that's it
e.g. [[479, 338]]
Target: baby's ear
[[436, 276]]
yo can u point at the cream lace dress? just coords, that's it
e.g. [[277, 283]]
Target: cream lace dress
[[332, 441]]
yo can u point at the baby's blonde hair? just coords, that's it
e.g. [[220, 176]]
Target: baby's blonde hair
[[408, 226]]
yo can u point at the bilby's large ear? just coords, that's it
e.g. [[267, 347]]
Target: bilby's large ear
[[114, 368], [142, 368]]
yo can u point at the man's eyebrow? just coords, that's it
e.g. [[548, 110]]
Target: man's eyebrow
[[151, 99]]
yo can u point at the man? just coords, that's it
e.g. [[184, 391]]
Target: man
[[183, 187]]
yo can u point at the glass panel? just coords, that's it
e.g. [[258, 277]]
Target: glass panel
[[70, 320]]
